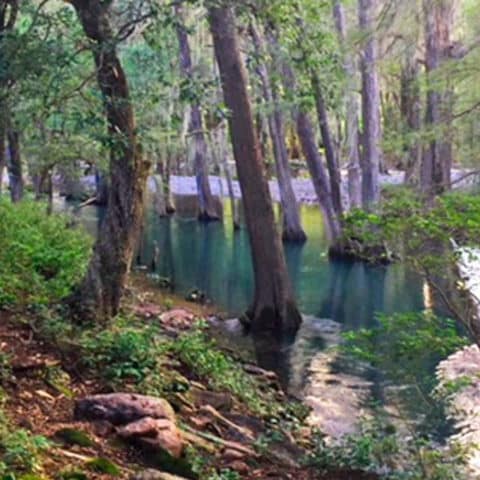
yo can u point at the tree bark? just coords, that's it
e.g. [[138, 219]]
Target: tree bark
[[15, 171], [306, 135], [98, 297], [292, 226], [410, 106], [351, 101], [207, 210], [273, 307], [437, 156], [329, 145], [370, 158]]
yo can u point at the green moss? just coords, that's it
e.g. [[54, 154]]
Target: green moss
[[70, 436], [73, 475], [103, 465]]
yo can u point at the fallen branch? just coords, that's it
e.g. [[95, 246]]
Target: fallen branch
[[220, 441]]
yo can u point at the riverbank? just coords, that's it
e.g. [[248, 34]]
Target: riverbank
[[207, 416]]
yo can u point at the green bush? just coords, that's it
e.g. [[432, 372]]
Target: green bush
[[41, 257]]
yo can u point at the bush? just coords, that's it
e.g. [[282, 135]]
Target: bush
[[41, 257]]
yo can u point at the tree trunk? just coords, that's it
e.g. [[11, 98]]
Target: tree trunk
[[98, 297], [207, 210], [410, 107], [352, 140], [15, 173], [370, 158], [292, 227], [332, 161], [437, 156], [306, 135], [274, 306]]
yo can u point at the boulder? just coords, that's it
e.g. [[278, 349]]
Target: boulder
[[122, 408], [154, 433]]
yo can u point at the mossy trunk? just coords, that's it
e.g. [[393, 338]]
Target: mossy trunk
[[98, 297]]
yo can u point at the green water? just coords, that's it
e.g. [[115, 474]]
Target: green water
[[215, 259]]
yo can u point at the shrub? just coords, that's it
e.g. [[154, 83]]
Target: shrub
[[41, 257]]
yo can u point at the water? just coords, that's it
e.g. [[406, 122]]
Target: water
[[334, 296]]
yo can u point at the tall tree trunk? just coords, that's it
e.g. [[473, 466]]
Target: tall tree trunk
[[15, 171], [306, 135], [8, 17], [410, 107], [2, 146], [292, 226], [329, 145], [352, 140], [207, 210], [371, 153], [98, 297], [274, 306], [437, 156]]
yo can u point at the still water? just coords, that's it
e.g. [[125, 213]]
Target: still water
[[334, 296]]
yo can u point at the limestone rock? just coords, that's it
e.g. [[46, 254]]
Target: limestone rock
[[154, 475], [161, 434], [122, 408]]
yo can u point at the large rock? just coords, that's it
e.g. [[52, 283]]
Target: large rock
[[154, 433], [122, 408]]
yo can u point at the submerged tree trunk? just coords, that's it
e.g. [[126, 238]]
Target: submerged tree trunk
[[98, 297], [274, 306], [292, 227], [351, 101], [207, 210], [370, 158], [306, 135], [15, 171]]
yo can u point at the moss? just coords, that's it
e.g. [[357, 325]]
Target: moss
[[70, 436], [103, 465], [73, 475]]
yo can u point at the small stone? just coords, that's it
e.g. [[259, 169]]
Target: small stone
[[239, 467], [154, 475], [232, 455]]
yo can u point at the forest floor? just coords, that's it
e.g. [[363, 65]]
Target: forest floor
[[45, 381]]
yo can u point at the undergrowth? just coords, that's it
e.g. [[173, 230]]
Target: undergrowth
[[41, 257]]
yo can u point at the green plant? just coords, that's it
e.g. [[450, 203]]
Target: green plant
[[41, 257]]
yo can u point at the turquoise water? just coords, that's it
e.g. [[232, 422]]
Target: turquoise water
[[215, 259]]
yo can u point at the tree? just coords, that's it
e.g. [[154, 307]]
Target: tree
[[195, 129], [273, 307], [292, 227], [437, 156], [8, 17], [351, 101], [370, 158], [98, 297]]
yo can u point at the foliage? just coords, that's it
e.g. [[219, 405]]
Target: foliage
[[20, 450], [41, 257], [379, 447]]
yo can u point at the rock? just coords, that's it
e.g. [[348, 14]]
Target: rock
[[161, 434], [232, 455], [178, 319], [122, 408], [196, 296], [154, 475], [239, 467], [219, 401], [147, 310]]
